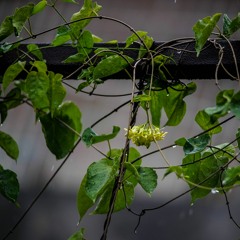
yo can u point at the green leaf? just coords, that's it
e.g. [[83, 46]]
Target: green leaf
[[148, 179], [34, 49], [230, 26], [90, 137], [175, 106], [148, 41], [132, 170], [99, 176], [12, 72], [111, 65], [9, 186], [96, 39], [70, 1], [156, 105], [207, 169], [37, 84], [203, 29], [63, 129], [176, 169], [83, 201], [238, 138], [181, 141], [223, 101], [79, 235], [89, 9], [63, 36], [9, 145], [3, 112], [13, 98], [84, 46], [6, 47], [205, 122], [56, 92], [103, 175], [21, 15], [6, 28], [235, 105], [231, 176], [85, 43], [142, 98], [41, 66], [124, 198], [172, 102], [40, 6], [198, 144]]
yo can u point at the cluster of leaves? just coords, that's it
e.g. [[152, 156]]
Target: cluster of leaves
[[28, 81]]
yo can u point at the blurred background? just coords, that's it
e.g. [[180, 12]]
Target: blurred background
[[55, 215]]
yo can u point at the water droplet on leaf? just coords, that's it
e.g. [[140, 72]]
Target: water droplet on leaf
[[214, 191]]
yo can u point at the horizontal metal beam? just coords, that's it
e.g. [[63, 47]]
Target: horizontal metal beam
[[184, 65]]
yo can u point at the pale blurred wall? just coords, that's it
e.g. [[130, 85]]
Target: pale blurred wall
[[55, 215]]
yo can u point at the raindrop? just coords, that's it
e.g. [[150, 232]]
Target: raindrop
[[214, 191], [168, 95], [191, 204], [179, 52], [174, 146], [52, 168], [175, 1], [1, 125], [78, 223]]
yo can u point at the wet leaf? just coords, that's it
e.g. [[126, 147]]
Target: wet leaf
[[79, 235], [148, 179], [62, 130], [40, 6], [111, 65], [231, 176], [198, 144], [12, 72], [235, 105], [142, 98], [20, 16], [84, 46], [230, 26], [9, 186], [6, 28], [99, 176], [9, 145], [90, 137], [205, 122], [37, 84], [238, 138], [56, 92], [223, 101], [34, 49], [206, 171], [63, 36], [203, 29], [83, 201], [89, 9], [125, 197]]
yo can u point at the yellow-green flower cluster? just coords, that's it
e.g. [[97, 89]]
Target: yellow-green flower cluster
[[143, 135]]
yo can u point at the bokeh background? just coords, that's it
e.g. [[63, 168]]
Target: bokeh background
[[55, 216]]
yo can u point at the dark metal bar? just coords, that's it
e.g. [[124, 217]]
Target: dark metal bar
[[185, 64]]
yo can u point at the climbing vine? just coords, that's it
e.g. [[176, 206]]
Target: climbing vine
[[110, 182]]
